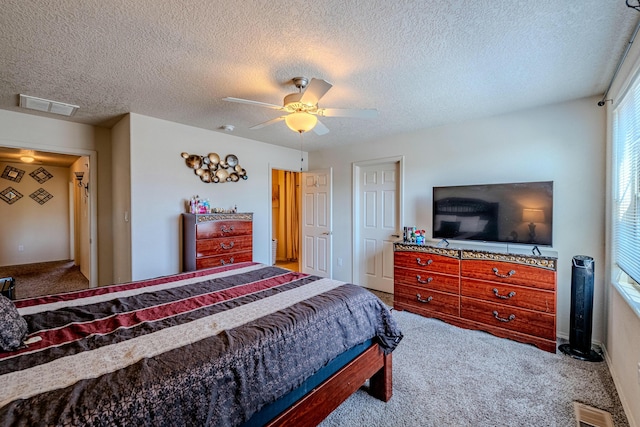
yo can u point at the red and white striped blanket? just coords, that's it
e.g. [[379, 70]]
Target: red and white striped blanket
[[209, 347]]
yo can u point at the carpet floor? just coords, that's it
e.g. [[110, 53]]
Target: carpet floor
[[44, 278], [448, 376]]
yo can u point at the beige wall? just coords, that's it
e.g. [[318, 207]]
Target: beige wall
[[32, 232], [623, 327], [623, 353], [120, 189], [161, 184], [82, 216], [563, 143]]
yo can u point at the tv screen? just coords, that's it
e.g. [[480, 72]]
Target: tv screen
[[505, 213]]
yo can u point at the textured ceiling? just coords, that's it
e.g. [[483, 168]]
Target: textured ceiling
[[421, 63]]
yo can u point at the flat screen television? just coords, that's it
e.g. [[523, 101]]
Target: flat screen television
[[519, 212]]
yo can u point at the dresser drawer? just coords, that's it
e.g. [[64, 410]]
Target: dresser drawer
[[507, 272], [508, 294], [426, 280], [427, 262], [411, 298], [223, 245], [218, 260], [525, 321], [225, 228]]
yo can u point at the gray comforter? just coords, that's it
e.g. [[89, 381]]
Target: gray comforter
[[205, 348]]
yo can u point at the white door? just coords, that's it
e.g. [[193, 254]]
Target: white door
[[377, 223], [316, 223]]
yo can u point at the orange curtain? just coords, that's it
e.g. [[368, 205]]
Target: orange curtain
[[292, 214]]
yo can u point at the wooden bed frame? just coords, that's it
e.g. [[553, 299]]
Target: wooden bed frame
[[316, 405]]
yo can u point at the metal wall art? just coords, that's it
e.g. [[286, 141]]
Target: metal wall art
[[10, 195], [212, 168], [12, 174], [41, 196], [41, 175]]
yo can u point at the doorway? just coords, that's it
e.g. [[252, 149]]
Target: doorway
[[285, 215], [55, 173]]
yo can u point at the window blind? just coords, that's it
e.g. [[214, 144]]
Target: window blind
[[626, 174]]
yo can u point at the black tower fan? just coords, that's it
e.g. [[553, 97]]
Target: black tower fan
[[579, 346]]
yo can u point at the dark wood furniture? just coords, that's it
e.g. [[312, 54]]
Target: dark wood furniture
[[316, 405], [511, 296], [212, 240]]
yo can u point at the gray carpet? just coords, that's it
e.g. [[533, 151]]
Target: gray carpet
[[45, 278], [447, 376]]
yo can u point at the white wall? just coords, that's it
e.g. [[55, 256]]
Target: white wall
[[563, 143], [161, 183], [32, 232]]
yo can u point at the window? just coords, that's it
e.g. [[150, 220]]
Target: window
[[626, 179]]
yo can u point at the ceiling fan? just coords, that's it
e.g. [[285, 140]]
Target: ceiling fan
[[303, 107]]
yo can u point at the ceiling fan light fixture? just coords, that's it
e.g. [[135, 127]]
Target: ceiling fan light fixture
[[301, 121]]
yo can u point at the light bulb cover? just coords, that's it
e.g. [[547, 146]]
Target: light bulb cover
[[301, 121], [27, 159]]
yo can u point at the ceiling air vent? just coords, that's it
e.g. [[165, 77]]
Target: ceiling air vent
[[587, 416], [47, 106]]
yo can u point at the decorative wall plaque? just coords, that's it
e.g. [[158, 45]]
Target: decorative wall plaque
[[211, 168], [10, 195], [12, 174], [41, 196], [41, 175]]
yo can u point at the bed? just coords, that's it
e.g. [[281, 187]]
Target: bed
[[242, 344]]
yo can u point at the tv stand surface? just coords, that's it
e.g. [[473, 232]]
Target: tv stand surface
[[509, 295]]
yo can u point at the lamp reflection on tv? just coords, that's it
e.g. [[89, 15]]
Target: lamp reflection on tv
[[532, 216]]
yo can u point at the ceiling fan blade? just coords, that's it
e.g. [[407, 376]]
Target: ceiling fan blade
[[320, 128], [267, 123], [342, 112], [314, 91], [250, 102]]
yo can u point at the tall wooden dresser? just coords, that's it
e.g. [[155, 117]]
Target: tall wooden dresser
[[511, 296], [211, 240]]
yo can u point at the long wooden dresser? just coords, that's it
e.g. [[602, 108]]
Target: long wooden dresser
[[509, 295], [211, 240]]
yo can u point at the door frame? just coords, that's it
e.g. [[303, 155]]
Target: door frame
[[355, 271], [93, 198], [273, 167]]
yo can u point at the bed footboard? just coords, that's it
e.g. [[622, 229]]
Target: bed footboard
[[314, 407]]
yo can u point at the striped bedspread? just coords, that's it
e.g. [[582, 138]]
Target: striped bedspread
[[209, 347]]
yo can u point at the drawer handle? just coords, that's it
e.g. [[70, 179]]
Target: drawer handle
[[502, 319], [222, 262], [509, 295], [419, 261], [419, 298], [424, 282], [226, 230], [504, 276], [227, 247]]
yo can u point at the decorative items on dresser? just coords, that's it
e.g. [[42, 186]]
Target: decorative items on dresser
[[509, 295], [211, 240]]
